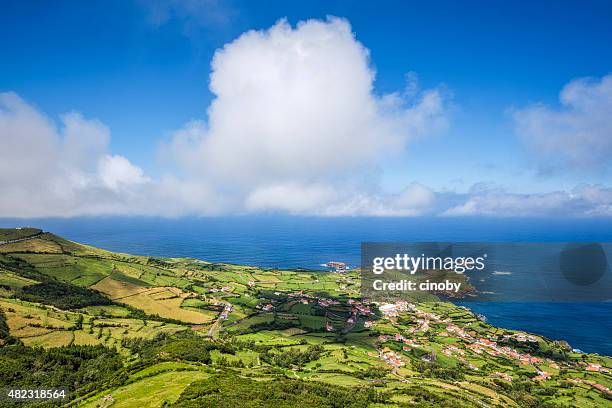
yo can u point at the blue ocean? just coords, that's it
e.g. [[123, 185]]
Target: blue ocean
[[308, 242]]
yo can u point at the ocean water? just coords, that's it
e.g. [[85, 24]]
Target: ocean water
[[308, 242]]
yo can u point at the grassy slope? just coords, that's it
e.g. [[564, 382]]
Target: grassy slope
[[188, 296]]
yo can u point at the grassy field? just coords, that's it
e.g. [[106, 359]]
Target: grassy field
[[149, 391], [162, 301], [18, 233]]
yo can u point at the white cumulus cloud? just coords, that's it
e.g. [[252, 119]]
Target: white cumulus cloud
[[46, 171], [117, 172], [579, 132], [295, 119]]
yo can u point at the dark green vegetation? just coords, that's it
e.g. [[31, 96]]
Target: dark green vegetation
[[80, 368], [185, 346], [221, 391], [62, 295], [132, 331]]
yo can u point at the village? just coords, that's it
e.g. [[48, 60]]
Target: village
[[472, 344], [413, 327], [466, 342]]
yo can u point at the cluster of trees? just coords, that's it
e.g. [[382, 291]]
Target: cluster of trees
[[294, 357], [20, 267], [529, 394], [229, 390], [223, 361], [4, 329], [5, 336], [182, 346], [424, 398], [214, 267], [62, 295], [373, 373], [159, 262], [553, 350], [434, 369], [80, 368], [186, 349]]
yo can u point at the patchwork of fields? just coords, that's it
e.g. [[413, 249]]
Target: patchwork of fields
[[176, 323]]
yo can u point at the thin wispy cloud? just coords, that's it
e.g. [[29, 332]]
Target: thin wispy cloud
[[194, 15]]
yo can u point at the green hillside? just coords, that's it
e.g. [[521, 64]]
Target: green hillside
[[132, 331]]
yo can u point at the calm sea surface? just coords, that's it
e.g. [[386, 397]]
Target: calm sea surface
[[292, 242]]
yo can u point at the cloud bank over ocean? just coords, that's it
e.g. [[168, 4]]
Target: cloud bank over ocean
[[297, 127]]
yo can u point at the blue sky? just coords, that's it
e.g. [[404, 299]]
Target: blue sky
[[142, 69]]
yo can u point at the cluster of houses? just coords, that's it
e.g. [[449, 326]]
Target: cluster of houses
[[408, 343], [452, 350], [391, 357], [597, 386], [490, 346], [520, 337], [422, 319], [476, 344], [390, 310], [542, 375], [337, 266], [223, 289], [327, 302], [268, 307], [227, 309], [358, 309], [503, 376], [597, 368]]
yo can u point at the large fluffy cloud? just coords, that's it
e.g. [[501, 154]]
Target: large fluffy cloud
[[295, 120], [579, 133]]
